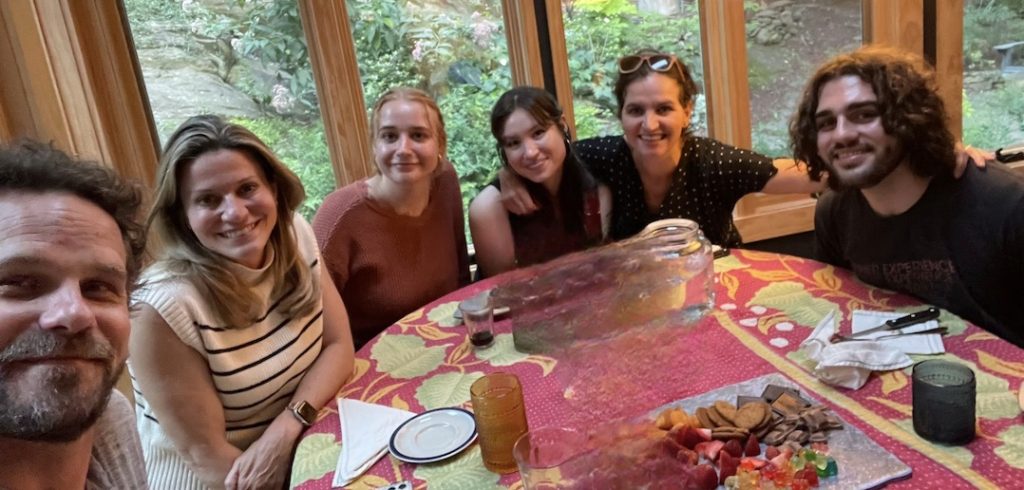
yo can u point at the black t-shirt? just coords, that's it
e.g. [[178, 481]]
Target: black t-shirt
[[960, 247], [710, 178]]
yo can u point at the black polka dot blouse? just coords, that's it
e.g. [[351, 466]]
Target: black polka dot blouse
[[710, 178]]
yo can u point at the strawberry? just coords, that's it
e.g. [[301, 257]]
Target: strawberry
[[753, 448], [690, 437], [710, 449], [734, 448], [771, 452], [780, 460], [727, 466], [705, 477]]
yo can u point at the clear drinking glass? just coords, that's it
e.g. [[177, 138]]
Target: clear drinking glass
[[546, 458], [478, 315], [500, 419]]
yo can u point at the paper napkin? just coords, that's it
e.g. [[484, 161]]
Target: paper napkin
[[911, 344], [849, 364], [365, 431]]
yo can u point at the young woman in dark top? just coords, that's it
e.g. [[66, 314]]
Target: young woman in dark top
[[533, 142], [657, 169]]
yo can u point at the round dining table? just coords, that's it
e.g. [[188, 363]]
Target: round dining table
[[766, 304]]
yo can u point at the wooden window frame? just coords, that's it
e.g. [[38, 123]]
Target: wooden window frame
[[65, 61]]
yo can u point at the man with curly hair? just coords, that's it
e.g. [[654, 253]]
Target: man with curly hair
[[873, 121], [70, 250]]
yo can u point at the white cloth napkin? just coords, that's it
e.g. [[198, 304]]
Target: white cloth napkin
[[849, 364], [365, 431], [910, 344]]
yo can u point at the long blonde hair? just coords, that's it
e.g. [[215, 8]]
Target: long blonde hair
[[183, 256]]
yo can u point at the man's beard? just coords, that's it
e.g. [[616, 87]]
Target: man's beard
[[880, 169], [59, 409]]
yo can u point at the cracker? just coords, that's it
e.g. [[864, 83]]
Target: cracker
[[726, 410], [751, 415], [723, 433], [717, 418], [702, 417]]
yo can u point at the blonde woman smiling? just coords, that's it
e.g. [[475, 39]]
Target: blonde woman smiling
[[396, 241]]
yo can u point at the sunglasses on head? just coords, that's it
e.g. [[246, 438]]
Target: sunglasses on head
[[658, 62]]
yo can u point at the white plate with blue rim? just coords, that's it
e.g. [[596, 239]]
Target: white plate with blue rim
[[434, 435]]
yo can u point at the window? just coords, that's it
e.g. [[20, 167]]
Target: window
[[245, 61], [993, 108], [598, 33], [786, 41], [455, 51]]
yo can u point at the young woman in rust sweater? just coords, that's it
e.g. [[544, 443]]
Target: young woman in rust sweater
[[396, 241]]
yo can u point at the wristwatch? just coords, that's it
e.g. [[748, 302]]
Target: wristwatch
[[304, 412]]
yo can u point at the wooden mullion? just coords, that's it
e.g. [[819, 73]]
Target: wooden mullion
[[332, 55], [726, 86], [560, 62]]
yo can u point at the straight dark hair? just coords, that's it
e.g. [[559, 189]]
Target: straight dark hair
[[576, 180]]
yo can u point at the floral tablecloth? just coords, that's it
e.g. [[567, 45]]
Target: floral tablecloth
[[766, 304]]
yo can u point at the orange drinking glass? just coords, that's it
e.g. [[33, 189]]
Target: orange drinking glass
[[500, 419]]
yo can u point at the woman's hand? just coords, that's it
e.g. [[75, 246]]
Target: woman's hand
[[514, 195], [265, 464], [969, 153]]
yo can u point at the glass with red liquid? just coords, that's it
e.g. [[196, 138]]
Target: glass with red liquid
[[478, 315]]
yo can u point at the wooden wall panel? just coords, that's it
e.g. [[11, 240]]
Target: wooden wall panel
[[73, 70]]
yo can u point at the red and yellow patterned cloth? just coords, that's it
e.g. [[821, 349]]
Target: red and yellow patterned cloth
[[766, 305]]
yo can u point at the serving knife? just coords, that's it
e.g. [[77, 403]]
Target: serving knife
[[894, 324]]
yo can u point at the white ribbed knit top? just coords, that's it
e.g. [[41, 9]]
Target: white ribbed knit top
[[255, 369]]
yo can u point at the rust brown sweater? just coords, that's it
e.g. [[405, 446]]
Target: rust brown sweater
[[386, 265]]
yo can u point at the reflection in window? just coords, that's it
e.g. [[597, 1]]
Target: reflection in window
[[243, 60], [993, 108], [599, 32], [455, 51], [786, 41]]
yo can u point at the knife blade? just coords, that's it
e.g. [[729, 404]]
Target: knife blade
[[896, 323]]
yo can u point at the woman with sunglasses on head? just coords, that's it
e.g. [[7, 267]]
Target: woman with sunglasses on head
[[238, 337], [657, 169], [533, 142], [396, 241]]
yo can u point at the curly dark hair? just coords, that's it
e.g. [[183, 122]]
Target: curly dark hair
[[908, 102], [30, 166]]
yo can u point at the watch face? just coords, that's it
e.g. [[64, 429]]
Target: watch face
[[306, 412]]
